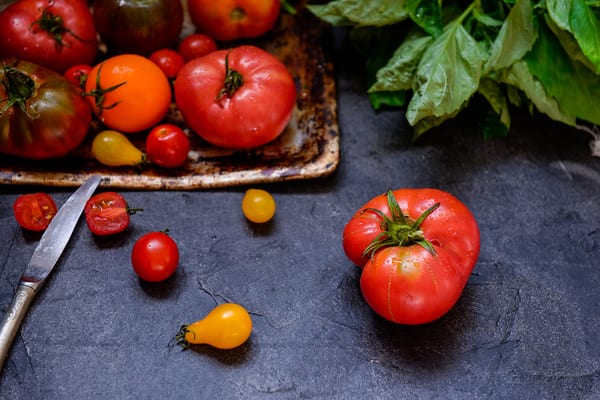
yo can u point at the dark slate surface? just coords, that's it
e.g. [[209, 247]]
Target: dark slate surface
[[527, 325]]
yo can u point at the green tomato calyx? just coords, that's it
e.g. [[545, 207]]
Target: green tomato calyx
[[233, 81], [399, 229]]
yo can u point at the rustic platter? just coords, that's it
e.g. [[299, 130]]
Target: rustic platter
[[307, 149]]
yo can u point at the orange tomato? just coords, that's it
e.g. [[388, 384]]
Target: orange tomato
[[128, 92]]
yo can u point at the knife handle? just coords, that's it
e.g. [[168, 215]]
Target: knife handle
[[13, 318]]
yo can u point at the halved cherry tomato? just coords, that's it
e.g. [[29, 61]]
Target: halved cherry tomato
[[129, 92], [196, 45], [258, 205], [167, 145], [155, 257], [34, 211], [169, 61], [107, 213]]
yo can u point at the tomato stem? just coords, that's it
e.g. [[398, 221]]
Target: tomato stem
[[233, 81], [54, 25], [399, 230], [99, 93], [19, 88], [180, 337]]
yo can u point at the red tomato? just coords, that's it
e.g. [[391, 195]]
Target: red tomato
[[196, 45], [234, 19], [238, 98], [169, 61], [155, 257], [418, 248], [107, 213], [34, 211], [55, 34], [78, 74], [167, 145]]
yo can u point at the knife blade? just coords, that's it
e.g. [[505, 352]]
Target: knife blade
[[44, 258]]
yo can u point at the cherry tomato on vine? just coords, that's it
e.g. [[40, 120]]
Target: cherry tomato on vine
[[258, 205], [417, 248], [196, 45], [78, 74], [114, 149], [155, 256], [167, 145], [107, 213], [128, 93], [169, 61], [227, 326], [34, 211]]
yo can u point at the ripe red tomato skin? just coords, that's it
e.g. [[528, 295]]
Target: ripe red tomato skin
[[34, 211], [21, 39], [167, 145], [169, 61], [196, 45], [77, 74], [155, 256], [256, 114], [106, 213]]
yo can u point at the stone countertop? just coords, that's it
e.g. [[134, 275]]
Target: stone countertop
[[526, 325]]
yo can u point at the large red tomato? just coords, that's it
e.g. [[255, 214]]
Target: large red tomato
[[56, 34], [417, 248], [238, 98], [234, 19], [42, 115]]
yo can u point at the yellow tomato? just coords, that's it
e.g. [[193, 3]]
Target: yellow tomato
[[258, 205], [227, 326], [114, 149]]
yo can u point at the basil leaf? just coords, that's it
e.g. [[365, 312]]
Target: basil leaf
[[361, 12], [586, 29], [427, 14]]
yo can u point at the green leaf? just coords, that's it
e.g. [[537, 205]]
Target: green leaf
[[497, 122], [570, 45], [361, 12], [559, 11], [379, 100], [427, 14], [586, 29]]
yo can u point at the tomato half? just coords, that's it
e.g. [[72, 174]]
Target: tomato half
[[55, 34], [128, 92], [167, 145], [234, 19], [417, 248], [34, 211], [155, 257], [238, 98], [107, 213]]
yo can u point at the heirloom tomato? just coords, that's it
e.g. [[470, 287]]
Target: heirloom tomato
[[234, 19], [155, 256], [56, 34], [107, 213], [138, 26], [167, 145], [417, 248], [34, 211], [42, 115], [238, 98], [128, 92]]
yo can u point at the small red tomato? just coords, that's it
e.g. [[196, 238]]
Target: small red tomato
[[155, 257], [169, 61], [77, 74], [196, 45], [167, 145], [107, 213], [34, 211]]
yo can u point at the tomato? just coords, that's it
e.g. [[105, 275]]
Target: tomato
[[196, 45], [169, 61], [417, 248], [55, 34], [234, 19], [107, 213], [258, 205], [129, 93], [77, 74], [155, 256], [138, 26], [238, 98], [226, 327], [167, 145], [114, 149], [34, 211], [42, 115]]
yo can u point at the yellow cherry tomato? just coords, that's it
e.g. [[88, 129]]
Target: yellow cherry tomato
[[258, 205], [114, 149], [227, 326]]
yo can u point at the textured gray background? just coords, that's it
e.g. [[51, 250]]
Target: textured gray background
[[526, 326]]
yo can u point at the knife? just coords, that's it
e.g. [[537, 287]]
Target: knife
[[44, 258]]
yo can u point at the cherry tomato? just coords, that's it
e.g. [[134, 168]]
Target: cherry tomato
[[128, 92], [258, 205], [227, 326], [155, 257], [417, 248], [196, 45], [114, 149], [34, 211], [107, 213], [238, 98], [167, 145], [169, 61], [77, 74], [234, 19]]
